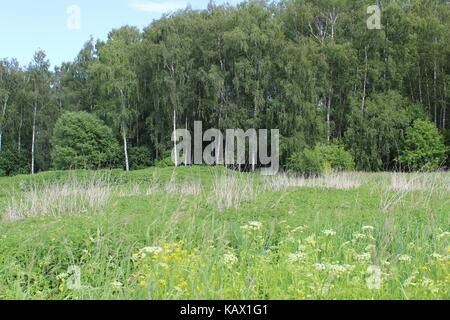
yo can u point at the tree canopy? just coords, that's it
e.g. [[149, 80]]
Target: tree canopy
[[312, 69]]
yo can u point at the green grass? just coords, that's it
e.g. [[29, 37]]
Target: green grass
[[206, 233]]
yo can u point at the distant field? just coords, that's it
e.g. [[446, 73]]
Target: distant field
[[209, 233]]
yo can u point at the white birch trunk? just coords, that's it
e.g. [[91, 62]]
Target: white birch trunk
[[33, 138], [175, 140], [125, 148]]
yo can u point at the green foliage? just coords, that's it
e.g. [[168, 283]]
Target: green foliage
[[311, 69], [165, 162], [424, 147], [12, 163], [140, 158], [82, 141], [376, 133], [309, 162], [338, 158], [321, 159]]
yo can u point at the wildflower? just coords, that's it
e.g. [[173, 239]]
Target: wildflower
[[320, 266], [230, 260], [443, 235], [363, 258], [252, 226], [116, 285], [368, 228], [329, 233], [340, 269], [62, 276], [405, 258], [437, 256], [151, 250], [296, 257], [162, 282], [311, 240], [359, 236]]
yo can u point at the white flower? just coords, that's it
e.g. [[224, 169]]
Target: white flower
[[311, 240], [116, 285], [296, 257], [368, 228], [230, 259], [152, 250], [253, 226], [329, 233], [405, 258], [437, 256], [340, 269], [359, 236], [320, 266], [445, 234], [363, 258]]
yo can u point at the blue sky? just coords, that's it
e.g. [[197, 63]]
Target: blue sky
[[51, 25]]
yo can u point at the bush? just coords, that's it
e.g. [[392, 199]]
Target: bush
[[424, 147], [13, 163], [165, 162], [321, 159], [82, 141], [337, 157], [139, 158], [307, 162]]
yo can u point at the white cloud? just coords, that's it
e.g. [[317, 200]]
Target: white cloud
[[157, 7]]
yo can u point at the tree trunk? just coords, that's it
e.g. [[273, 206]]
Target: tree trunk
[[125, 148], [363, 104], [186, 154], [175, 140], [33, 138], [329, 118], [435, 93], [19, 138], [1, 122]]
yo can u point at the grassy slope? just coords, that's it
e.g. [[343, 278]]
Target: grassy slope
[[35, 253]]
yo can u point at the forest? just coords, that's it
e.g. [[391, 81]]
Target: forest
[[312, 69]]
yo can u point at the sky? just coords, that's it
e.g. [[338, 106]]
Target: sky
[[61, 27]]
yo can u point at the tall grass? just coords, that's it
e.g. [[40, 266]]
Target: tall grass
[[74, 196], [225, 235]]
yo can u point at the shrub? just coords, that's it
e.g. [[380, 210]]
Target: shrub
[[321, 159], [82, 141], [337, 157], [424, 147], [165, 162], [12, 163], [308, 162], [139, 158]]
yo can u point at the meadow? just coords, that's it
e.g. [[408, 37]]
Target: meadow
[[210, 233]]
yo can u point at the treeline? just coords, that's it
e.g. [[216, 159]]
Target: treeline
[[311, 68]]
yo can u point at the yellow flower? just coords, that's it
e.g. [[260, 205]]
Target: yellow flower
[[162, 282]]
